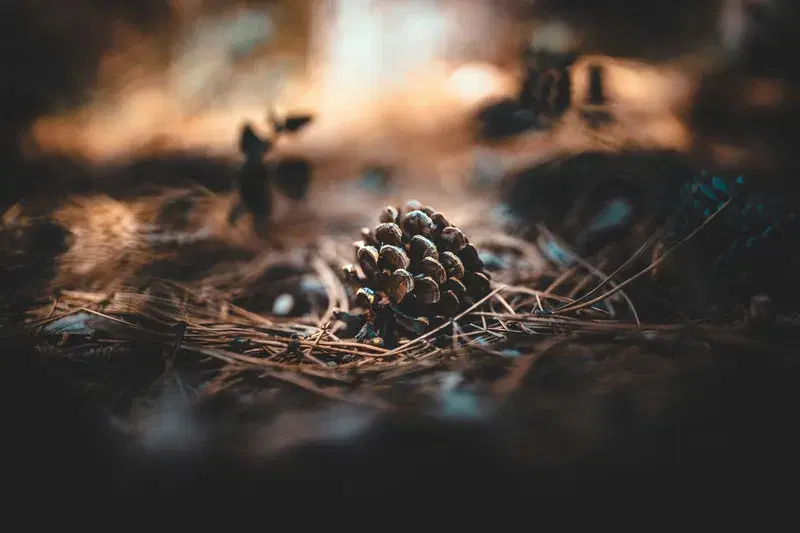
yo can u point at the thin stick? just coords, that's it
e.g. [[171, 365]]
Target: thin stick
[[337, 297], [307, 353], [504, 303]]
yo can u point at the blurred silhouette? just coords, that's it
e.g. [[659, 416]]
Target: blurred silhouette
[[546, 88], [256, 177], [290, 123], [255, 195], [544, 96], [595, 111]]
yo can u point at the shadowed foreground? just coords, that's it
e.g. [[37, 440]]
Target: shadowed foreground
[[729, 435], [683, 413]]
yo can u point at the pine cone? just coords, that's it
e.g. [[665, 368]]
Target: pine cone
[[415, 269]]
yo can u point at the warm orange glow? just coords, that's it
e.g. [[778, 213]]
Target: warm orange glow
[[405, 99], [189, 89], [476, 82], [380, 74]]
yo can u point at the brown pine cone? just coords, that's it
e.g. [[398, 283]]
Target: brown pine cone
[[413, 269]]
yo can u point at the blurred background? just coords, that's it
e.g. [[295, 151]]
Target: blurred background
[[389, 81], [103, 81], [166, 75]]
